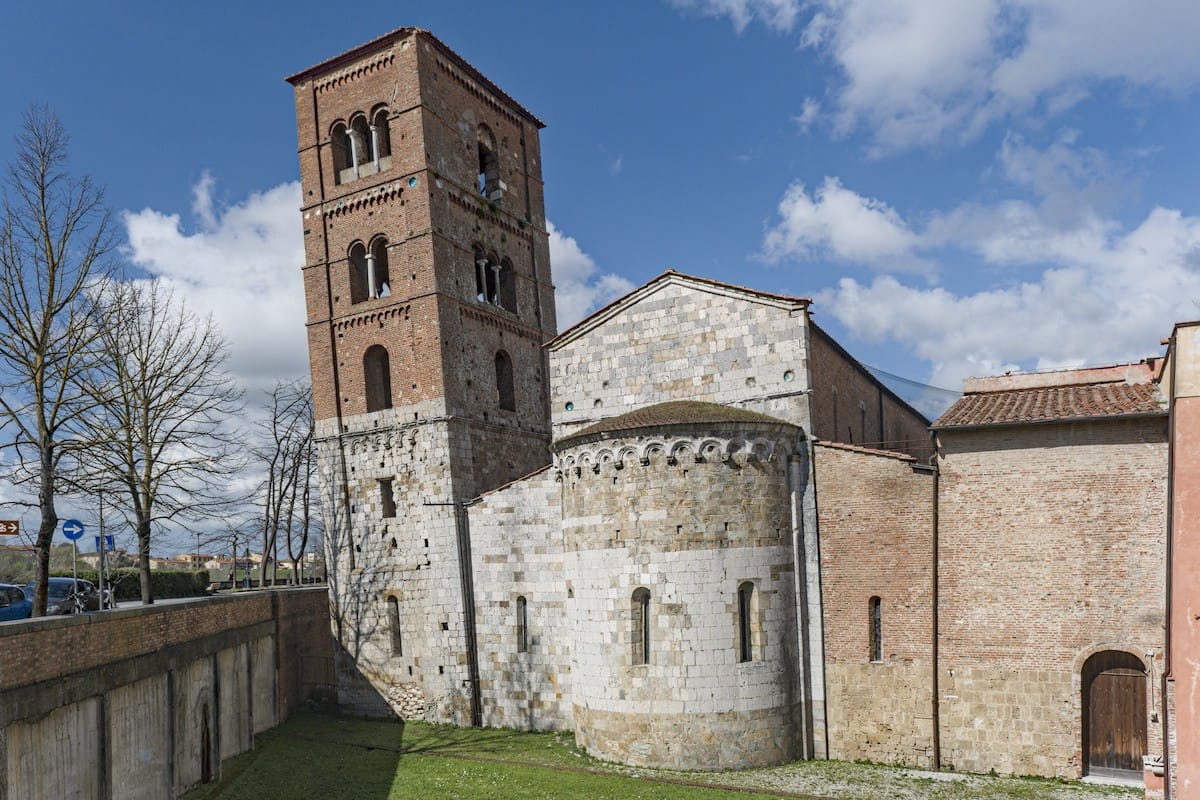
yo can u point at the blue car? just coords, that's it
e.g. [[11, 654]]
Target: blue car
[[13, 603]]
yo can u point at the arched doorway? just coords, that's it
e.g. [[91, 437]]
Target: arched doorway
[[1114, 713]]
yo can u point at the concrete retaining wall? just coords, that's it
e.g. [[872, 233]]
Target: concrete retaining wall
[[146, 702]]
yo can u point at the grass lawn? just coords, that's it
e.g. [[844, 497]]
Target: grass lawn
[[327, 757]]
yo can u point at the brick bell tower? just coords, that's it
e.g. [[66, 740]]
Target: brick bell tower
[[428, 290]]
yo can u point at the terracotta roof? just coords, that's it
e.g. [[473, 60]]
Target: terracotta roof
[[870, 451], [676, 412], [1052, 404]]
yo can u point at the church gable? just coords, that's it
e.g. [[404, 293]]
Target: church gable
[[683, 338]]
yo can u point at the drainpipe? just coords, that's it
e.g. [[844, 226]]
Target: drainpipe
[[1168, 672], [937, 700], [796, 488]]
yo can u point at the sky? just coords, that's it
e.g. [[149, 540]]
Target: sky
[[964, 187]]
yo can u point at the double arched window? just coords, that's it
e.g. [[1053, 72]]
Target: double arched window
[[363, 146], [495, 281], [369, 270], [377, 378]]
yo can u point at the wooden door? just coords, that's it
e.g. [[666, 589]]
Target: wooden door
[[1115, 721]]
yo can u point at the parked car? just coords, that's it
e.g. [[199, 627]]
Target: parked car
[[13, 603], [61, 600]]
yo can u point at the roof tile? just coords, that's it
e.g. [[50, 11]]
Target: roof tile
[[1052, 403]]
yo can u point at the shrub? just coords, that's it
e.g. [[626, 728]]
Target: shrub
[[126, 584]]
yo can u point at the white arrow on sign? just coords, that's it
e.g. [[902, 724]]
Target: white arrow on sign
[[9, 527], [72, 529]]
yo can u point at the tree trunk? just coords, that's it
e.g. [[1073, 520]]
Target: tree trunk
[[45, 535], [143, 534]]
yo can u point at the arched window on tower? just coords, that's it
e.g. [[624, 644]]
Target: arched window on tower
[[505, 395], [381, 139], [339, 139], [481, 272], [377, 268], [875, 609], [360, 288], [360, 143], [377, 374], [639, 635], [490, 185]]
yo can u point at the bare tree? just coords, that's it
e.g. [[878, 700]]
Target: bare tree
[[54, 237], [160, 434], [287, 455]]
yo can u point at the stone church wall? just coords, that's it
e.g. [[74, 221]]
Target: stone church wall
[[876, 525], [516, 547], [675, 518], [683, 343], [1051, 540]]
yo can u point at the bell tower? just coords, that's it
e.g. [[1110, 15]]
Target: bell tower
[[429, 297]]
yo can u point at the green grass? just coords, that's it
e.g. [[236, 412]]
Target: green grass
[[324, 757]]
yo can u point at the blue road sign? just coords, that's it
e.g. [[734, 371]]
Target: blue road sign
[[73, 529], [107, 544]]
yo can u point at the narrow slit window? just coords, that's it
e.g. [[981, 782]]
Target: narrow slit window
[[489, 164], [745, 617], [522, 626], [394, 625], [876, 612], [640, 633], [387, 499]]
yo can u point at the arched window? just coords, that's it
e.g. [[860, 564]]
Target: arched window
[[340, 140], [394, 625], [640, 628], [381, 138], [360, 288], [745, 617], [522, 626], [377, 374], [377, 268], [875, 609], [505, 396], [507, 289], [489, 164], [360, 143]]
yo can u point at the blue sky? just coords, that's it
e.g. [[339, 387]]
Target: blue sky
[[964, 186]]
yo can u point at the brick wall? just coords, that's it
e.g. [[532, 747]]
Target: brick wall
[[1052, 540], [849, 405], [876, 525]]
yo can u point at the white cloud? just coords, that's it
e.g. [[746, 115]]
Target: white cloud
[[810, 111], [1111, 297], [916, 72], [578, 290], [778, 14], [242, 266], [837, 222]]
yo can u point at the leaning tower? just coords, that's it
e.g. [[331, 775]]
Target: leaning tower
[[428, 290]]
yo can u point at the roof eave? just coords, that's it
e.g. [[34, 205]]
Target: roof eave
[[1055, 421]]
